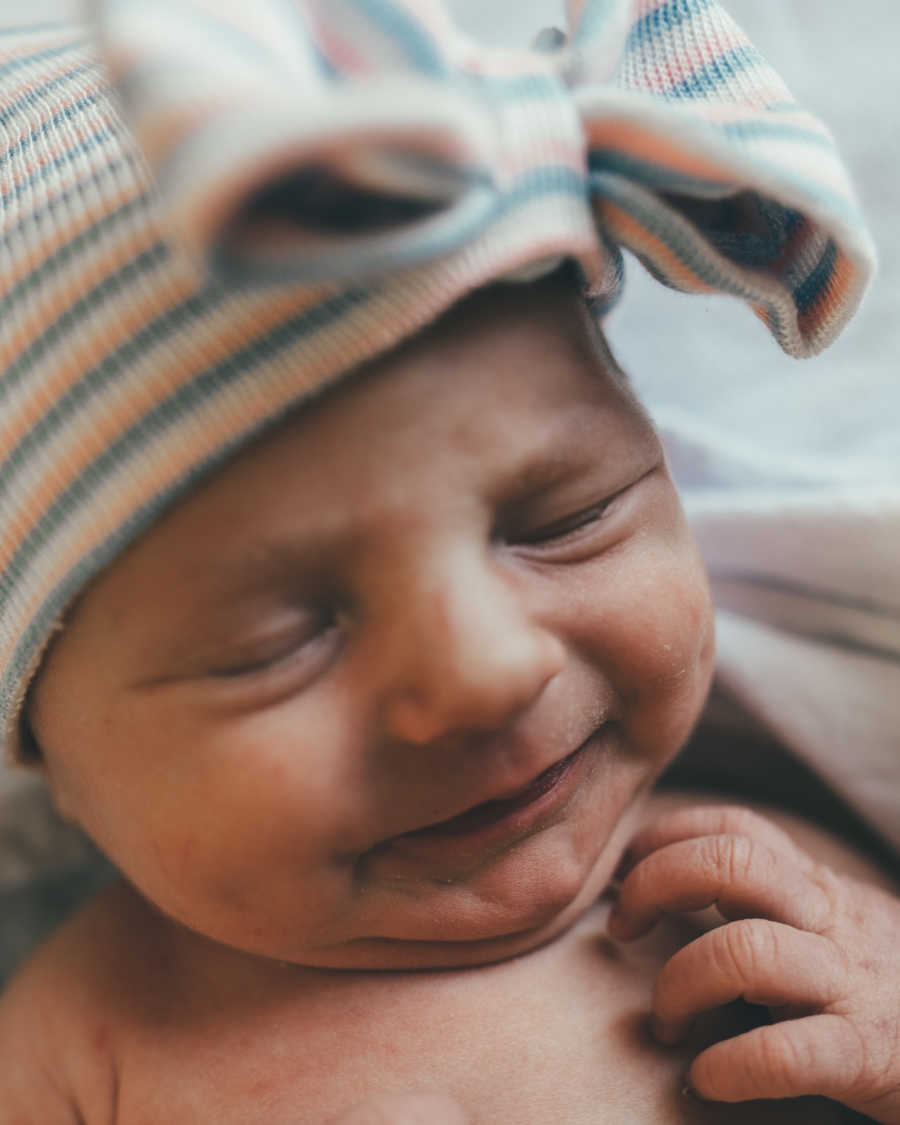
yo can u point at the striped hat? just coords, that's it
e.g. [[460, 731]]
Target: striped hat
[[304, 183]]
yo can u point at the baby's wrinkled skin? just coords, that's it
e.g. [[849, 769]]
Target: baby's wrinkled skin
[[466, 567]]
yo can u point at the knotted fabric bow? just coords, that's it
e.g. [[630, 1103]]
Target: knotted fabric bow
[[314, 139], [302, 184]]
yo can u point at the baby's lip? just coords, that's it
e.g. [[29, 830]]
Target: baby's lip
[[501, 803]]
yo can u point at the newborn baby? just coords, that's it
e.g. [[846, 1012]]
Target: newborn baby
[[349, 606], [389, 693]]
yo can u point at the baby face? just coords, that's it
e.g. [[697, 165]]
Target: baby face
[[383, 693]]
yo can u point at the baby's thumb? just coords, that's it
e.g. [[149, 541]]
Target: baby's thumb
[[405, 1109]]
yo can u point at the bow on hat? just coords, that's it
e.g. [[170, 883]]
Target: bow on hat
[[320, 139], [316, 139]]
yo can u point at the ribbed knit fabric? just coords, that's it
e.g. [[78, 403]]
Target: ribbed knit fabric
[[304, 184]]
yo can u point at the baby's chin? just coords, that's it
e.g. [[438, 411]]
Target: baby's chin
[[506, 916], [393, 954]]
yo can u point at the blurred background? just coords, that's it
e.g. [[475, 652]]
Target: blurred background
[[738, 415]]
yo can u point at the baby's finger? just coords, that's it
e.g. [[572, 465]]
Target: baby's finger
[[816, 1055], [740, 876], [711, 820], [763, 962]]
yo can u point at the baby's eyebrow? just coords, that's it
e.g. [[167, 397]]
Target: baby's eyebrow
[[269, 566], [570, 447], [542, 472]]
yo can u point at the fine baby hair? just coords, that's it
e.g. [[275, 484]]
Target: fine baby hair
[[175, 285]]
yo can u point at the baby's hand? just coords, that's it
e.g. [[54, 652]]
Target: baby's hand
[[820, 950], [405, 1109]]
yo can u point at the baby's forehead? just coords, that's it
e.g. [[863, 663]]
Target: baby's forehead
[[510, 390], [505, 342], [501, 331]]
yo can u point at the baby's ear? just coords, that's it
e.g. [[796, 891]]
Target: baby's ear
[[32, 755], [34, 759]]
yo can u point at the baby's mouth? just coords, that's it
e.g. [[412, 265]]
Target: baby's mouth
[[491, 812]]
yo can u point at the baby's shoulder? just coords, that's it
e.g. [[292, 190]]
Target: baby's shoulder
[[57, 1019]]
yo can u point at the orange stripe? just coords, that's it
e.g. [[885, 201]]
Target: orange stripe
[[74, 134], [57, 299], [843, 277], [179, 458], [18, 420], [50, 71], [37, 256], [91, 440], [627, 230], [637, 141]]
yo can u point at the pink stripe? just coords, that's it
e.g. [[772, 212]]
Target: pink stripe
[[687, 63], [47, 154], [58, 69], [341, 52]]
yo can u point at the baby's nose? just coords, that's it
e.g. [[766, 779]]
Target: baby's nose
[[468, 654]]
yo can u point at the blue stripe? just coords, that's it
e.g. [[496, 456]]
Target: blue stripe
[[707, 79], [44, 130], [407, 33], [84, 309], [811, 288], [60, 258], [20, 61], [651, 174], [777, 130], [296, 14], [594, 17], [60, 200], [83, 148], [11, 110], [661, 21], [326, 66]]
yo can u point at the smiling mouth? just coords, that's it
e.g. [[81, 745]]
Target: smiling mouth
[[492, 812]]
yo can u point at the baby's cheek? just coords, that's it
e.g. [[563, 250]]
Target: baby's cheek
[[671, 662]]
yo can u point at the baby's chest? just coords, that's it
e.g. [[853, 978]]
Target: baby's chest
[[557, 1036]]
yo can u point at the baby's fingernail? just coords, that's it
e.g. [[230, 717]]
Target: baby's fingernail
[[688, 1091]]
